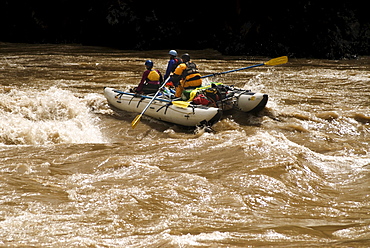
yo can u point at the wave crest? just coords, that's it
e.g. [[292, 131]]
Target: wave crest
[[31, 117]]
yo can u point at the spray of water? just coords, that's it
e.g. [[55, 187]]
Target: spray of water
[[31, 117]]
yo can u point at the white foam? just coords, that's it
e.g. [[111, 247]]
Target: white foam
[[31, 117]]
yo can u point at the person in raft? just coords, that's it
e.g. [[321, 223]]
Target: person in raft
[[172, 65], [186, 76], [150, 81]]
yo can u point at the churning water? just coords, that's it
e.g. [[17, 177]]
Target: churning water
[[74, 173]]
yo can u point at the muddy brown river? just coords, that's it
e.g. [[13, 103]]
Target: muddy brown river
[[75, 174]]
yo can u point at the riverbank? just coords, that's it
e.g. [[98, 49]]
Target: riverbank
[[298, 29]]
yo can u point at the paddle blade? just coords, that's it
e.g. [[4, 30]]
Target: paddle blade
[[181, 104], [136, 120], [277, 61]]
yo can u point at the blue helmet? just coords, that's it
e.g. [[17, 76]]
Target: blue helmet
[[149, 63]]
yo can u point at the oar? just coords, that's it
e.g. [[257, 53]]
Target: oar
[[272, 62], [138, 117]]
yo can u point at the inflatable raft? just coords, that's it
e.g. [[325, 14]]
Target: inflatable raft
[[188, 113], [178, 112]]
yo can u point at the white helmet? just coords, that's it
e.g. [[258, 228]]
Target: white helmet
[[173, 53]]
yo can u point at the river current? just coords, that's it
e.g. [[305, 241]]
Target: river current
[[75, 174]]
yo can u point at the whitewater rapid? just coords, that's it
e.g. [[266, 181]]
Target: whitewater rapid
[[74, 173]]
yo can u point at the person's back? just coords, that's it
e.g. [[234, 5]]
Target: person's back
[[154, 76], [187, 75], [172, 64], [150, 81]]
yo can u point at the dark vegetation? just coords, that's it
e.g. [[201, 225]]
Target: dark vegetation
[[301, 28]]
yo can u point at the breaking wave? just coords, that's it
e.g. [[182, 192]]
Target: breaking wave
[[53, 116]]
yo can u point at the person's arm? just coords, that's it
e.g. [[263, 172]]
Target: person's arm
[[143, 78], [170, 65], [160, 76], [177, 74]]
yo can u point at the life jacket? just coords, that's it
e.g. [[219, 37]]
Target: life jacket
[[191, 68], [213, 95], [153, 76], [190, 77]]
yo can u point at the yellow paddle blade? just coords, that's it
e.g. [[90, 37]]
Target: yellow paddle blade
[[277, 61], [136, 120], [181, 104]]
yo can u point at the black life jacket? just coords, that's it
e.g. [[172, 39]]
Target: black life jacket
[[191, 68]]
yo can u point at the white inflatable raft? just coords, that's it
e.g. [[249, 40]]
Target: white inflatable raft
[[185, 113], [247, 101], [164, 109]]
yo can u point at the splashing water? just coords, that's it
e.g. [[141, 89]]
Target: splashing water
[[75, 174], [31, 117]]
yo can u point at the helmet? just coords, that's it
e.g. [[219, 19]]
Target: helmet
[[173, 53], [149, 63], [185, 57]]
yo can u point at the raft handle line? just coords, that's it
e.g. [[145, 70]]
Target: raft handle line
[[142, 96]]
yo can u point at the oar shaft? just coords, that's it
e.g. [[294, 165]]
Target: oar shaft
[[225, 72], [137, 119], [150, 102]]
